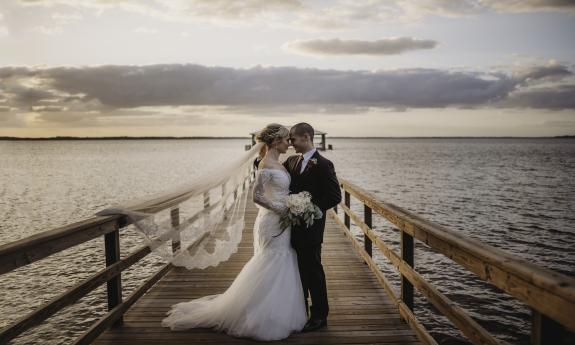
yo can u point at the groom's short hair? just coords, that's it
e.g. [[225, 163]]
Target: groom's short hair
[[303, 128]]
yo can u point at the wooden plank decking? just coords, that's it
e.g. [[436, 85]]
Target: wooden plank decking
[[360, 311]]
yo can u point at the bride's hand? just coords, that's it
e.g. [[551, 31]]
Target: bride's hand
[[283, 210]]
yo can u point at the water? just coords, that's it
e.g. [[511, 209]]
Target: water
[[514, 194]]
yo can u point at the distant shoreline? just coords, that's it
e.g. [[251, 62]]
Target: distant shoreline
[[248, 138]]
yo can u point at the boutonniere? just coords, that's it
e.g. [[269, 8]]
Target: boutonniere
[[312, 161]]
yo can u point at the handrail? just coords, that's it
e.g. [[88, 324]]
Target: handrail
[[404, 310], [71, 295], [33, 248], [455, 314], [38, 246], [549, 293]]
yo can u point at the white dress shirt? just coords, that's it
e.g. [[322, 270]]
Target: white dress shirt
[[306, 157]]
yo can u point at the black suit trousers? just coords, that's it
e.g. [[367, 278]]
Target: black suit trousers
[[313, 279]]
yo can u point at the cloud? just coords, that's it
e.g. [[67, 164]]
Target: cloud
[[388, 46], [103, 89], [556, 98], [340, 15], [552, 71], [529, 5], [185, 10], [454, 8], [48, 108], [296, 14], [232, 9]]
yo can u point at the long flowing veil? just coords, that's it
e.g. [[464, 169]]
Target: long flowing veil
[[197, 224]]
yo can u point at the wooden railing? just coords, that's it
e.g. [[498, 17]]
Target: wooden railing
[[549, 294], [28, 250]]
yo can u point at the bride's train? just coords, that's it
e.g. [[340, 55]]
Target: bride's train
[[265, 301]]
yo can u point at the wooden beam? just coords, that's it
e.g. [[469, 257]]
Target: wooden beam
[[115, 314], [175, 220], [407, 257], [405, 312], [547, 331], [33, 248], [469, 327], [549, 292], [367, 220], [348, 204], [70, 296], [114, 285]]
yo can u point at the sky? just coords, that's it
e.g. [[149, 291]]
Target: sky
[[388, 68]]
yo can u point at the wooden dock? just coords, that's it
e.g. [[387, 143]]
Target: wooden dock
[[364, 308], [360, 310]]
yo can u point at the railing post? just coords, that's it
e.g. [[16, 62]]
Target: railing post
[[367, 221], [335, 207], [346, 219], [224, 203], [407, 256], [114, 285], [547, 331], [206, 199], [175, 217]]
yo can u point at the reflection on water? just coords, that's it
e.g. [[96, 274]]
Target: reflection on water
[[514, 194]]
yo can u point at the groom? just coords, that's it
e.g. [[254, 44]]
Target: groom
[[313, 173]]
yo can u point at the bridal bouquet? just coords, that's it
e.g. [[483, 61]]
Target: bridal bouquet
[[300, 210]]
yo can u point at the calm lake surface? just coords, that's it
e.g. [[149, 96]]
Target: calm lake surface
[[514, 194]]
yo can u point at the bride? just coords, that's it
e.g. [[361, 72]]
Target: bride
[[265, 301]]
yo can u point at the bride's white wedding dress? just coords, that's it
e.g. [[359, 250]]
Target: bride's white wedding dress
[[265, 301]]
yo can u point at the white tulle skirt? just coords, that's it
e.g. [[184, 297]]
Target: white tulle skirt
[[264, 302]]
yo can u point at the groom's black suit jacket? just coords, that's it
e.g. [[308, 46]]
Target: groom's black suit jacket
[[321, 181]]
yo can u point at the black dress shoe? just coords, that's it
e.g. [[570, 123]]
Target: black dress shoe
[[314, 324]]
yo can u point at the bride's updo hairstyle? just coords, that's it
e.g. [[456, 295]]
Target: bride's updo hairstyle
[[272, 132]]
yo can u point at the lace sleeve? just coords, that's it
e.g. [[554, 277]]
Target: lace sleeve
[[262, 178]]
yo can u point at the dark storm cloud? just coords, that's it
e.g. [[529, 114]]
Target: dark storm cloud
[[114, 87], [388, 46]]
